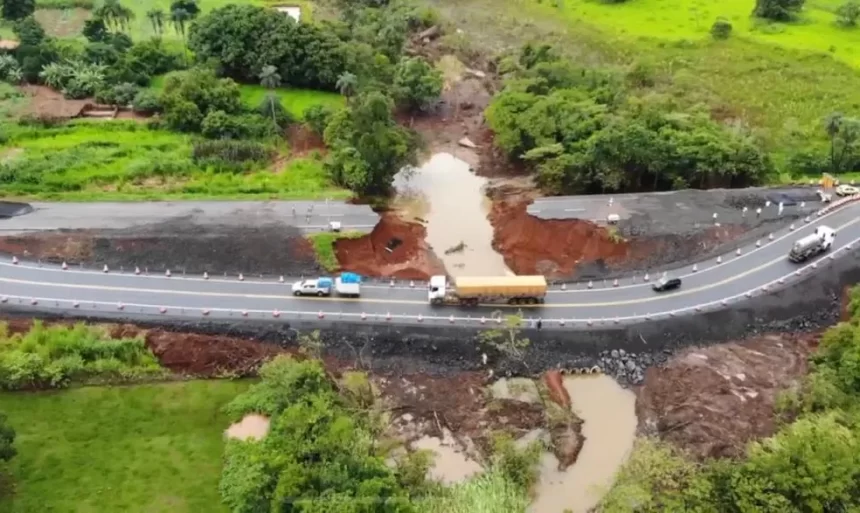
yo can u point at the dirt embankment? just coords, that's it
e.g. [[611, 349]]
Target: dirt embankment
[[552, 247], [712, 401], [394, 248], [181, 246]]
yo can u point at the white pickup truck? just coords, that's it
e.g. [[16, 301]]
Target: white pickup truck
[[345, 285]]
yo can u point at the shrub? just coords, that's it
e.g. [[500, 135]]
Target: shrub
[[146, 102], [230, 156], [778, 10], [847, 14], [188, 96], [721, 29], [57, 356], [317, 117], [29, 32]]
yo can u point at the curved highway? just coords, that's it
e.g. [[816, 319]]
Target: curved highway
[[758, 269]]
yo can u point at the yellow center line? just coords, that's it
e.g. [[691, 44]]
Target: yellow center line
[[406, 302]]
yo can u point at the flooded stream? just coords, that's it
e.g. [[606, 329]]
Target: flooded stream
[[609, 430], [446, 195]]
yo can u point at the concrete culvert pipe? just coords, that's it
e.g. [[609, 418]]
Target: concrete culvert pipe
[[596, 370]]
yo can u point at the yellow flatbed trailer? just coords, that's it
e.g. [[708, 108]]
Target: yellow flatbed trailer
[[472, 290]]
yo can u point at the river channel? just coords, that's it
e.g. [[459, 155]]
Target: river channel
[[450, 200]]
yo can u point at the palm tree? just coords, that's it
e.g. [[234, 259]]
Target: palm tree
[[347, 84], [156, 18], [270, 79], [114, 14], [833, 124], [179, 18]]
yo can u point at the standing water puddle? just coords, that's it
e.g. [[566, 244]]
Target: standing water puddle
[[451, 199], [609, 429]]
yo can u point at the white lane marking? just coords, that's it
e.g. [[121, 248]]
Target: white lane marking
[[765, 244], [421, 284], [414, 318]]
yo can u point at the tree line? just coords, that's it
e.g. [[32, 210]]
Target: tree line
[[581, 133], [361, 55]]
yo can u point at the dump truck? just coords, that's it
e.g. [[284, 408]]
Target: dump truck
[[345, 285], [470, 291], [813, 244]]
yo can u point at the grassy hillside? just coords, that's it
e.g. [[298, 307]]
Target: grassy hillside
[[780, 80], [119, 449]]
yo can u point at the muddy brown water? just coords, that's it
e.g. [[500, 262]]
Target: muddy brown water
[[609, 428], [250, 427], [451, 200]]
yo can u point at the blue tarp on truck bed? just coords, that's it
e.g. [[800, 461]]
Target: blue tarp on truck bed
[[350, 278]]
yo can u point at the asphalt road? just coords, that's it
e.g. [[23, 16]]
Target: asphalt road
[[757, 270], [308, 216]]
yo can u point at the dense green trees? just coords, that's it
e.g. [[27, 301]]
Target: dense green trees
[[18, 9], [243, 39], [417, 84], [317, 457], [778, 10], [579, 133], [7, 440], [367, 146]]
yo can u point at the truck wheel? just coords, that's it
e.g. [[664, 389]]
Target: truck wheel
[[297, 293], [320, 293]]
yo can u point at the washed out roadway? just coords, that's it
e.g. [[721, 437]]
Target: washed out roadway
[[94, 291]]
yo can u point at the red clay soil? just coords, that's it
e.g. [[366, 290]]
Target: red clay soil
[[303, 140], [368, 255], [713, 401], [557, 392], [549, 246]]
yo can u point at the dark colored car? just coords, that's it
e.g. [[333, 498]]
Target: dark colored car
[[669, 284]]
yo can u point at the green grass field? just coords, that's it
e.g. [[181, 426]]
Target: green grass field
[[780, 81], [145, 448], [692, 19], [296, 101], [323, 243], [124, 160]]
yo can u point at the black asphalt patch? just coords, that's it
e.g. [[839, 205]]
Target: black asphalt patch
[[13, 209]]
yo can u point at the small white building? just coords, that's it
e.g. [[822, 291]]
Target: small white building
[[294, 11]]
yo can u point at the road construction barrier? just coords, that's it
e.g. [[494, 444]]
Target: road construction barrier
[[65, 266], [770, 237], [483, 320], [719, 259], [105, 269], [120, 306], [241, 277], [137, 270], [791, 227], [388, 316], [76, 305], [420, 318], [591, 284], [162, 310], [564, 286], [320, 314], [205, 312], [244, 313], [758, 243], [205, 275], [167, 273], [411, 284], [281, 279], [561, 322], [14, 260], [646, 278], [391, 283], [615, 283], [738, 252], [276, 314], [695, 268], [363, 316], [4, 299]]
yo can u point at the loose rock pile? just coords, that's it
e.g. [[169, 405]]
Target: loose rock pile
[[628, 368]]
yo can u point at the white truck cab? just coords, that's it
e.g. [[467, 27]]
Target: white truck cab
[[827, 235], [437, 289], [318, 287]]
